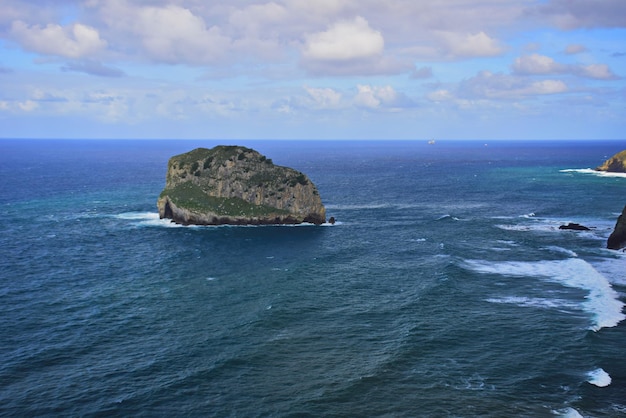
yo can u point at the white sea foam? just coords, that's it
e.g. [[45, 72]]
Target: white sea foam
[[535, 226], [153, 219], [602, 301], [508, 242], [147, 219], [134, 216], [448, 216], [561, 250], [600, 229], [534, 302], [594, 172], [613, 268], [599, 377], [359, 207], [569, 413]]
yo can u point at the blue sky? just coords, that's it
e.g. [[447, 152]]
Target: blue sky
[[324, 69]]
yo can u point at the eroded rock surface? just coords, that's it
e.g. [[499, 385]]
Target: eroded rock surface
[[239, 186], [617, 240], [615, 164]]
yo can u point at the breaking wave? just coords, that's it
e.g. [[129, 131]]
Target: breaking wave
[[599, 378], [593, 172], [602, 300]]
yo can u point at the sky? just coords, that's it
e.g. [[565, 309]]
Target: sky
[[313, 69]]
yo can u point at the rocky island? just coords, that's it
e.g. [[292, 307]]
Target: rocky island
[[617, 240], [236, 185], [615, 164]]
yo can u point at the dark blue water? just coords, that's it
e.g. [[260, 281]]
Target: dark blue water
[[445, 289]]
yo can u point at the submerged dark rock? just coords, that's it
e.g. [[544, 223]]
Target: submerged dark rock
[[574, 227], [237, 186], [617, 240]]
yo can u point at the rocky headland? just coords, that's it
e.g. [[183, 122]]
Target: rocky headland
[[615, 164], [236, 185], [617, 240]]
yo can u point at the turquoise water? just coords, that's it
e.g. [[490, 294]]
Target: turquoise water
[[444, 289]]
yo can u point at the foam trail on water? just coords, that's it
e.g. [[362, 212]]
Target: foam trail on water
[[534, 302], [569, 413], [599, 377], [602, 301], [594, 172], [138, 216], [147, 219]]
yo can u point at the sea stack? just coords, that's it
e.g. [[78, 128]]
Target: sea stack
[[615, 164], [236, 185], [617, 240]]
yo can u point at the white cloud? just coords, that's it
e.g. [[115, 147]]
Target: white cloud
[[28, 105], [423, 72], [324, 98], [343, 41], [537, 64], [378, 97], [573, 14], [441, 95], [575, 49], [169, 34], [72, 41], [256, 18], [487, 85], [544, 87], [597, 71], [173, 34], [465, 45], [348, 48]]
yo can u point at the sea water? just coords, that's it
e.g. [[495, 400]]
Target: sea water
[[446, 288]]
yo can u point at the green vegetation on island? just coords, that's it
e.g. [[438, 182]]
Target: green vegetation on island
[[238, 185]]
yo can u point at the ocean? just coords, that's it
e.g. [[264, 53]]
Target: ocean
[[445, 289]]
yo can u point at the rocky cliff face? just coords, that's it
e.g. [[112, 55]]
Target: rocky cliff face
[[615, 164], [236, 185], [617, 239]]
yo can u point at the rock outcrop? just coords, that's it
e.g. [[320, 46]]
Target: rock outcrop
[[574, 227], [617, 239], [615, 164], [238, 186]]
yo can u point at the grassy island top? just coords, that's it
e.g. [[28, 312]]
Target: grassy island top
[[237, 181], [219, 153]]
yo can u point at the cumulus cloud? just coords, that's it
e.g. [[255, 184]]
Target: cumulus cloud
[[575, 49], [169, 34], [93, 68], [172, 34], [537, 64], [596, 71], [28, 105], [487, 85], [72, 41], [349, 47], [423, 72], [467, 45], [378, 97], [324, 98], [344, 41], [574, 14]]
